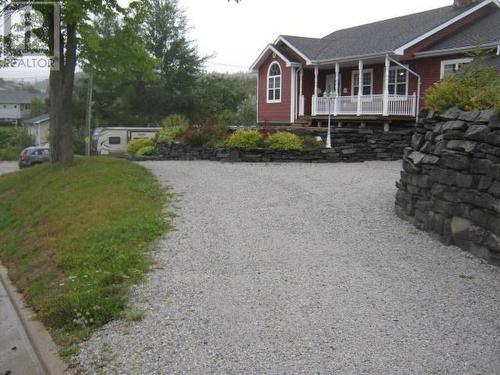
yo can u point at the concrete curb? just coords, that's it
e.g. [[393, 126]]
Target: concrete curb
[[40, 339]]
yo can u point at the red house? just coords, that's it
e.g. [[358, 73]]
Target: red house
[[375, 72]]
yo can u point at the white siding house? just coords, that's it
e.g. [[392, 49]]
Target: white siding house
[[16, 105]]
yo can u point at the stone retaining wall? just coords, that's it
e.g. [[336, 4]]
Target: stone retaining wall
[[349, 145], [450, 183]]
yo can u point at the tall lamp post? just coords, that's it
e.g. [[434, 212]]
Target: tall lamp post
[[329, 133]]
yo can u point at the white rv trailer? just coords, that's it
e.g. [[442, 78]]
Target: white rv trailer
[[113, 141]]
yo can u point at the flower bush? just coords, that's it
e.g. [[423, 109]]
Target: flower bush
[[474, 88], [245, 139], [284, 141], [136, 144]]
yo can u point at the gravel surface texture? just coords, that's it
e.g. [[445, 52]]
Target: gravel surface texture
[[301, 269], [8, 166]]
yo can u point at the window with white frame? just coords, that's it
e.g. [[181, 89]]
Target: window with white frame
[[449, 67], [398, 81], [367, 82], [274, 83]]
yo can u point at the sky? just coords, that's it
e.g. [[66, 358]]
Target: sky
[[236, 33]]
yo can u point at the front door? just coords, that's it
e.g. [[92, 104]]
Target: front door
[[330, 84]]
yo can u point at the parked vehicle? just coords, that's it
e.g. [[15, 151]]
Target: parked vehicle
[[113, 141], [33, 155]]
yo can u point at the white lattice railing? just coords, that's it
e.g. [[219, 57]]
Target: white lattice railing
[[397, 105]]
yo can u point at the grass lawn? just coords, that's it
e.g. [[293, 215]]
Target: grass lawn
[[75, 238]]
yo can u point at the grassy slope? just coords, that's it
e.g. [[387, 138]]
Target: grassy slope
[[74, 239]]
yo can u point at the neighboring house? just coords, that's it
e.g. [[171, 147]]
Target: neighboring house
[[374, 72], [38, 127], [16, 105]]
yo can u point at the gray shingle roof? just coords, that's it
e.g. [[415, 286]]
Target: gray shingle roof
[[40, 118], [487, 30], [286, 54], [18, 97], [377, 37]]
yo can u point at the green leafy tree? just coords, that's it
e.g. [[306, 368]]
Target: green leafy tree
[[38, 107], [165, 32], [75, 15], [115, 52]]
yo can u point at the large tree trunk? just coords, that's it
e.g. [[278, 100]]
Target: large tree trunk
[[61, 83]]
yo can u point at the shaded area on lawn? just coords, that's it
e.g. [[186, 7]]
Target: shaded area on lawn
[[74, 238]]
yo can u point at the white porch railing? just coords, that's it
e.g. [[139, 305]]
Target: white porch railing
[[397, 105]]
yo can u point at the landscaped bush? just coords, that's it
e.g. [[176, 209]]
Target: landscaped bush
[[174, 120], [173, 128], [474, 88], [136, 144], [244, 139], [284, 141], [146, 150], [211, 134], [311, 143], [12, 142]]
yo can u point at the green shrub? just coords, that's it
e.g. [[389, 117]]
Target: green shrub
[[474, 88], [244, 139], [284, 141], [136, 144], [310, 143], [13, 141], [175, 120], [173, 127], [146, 150], [171, 134]]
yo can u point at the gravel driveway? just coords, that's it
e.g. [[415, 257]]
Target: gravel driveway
[[301, 269]]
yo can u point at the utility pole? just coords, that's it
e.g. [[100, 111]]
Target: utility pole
[[88, 115]]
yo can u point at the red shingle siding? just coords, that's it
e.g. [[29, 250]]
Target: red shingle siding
[[430, 71], [274, 112]]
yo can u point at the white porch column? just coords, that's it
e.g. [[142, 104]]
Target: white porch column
[[386, 85], [360, 85], [293, 94], [337, 91], [301, 92], [315, 96]]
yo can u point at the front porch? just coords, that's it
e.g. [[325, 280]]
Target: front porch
[[382, 89]]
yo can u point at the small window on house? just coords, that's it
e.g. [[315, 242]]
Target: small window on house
[[398, 84], [274, 83], [449, 67], [367, 82], [114, 140]]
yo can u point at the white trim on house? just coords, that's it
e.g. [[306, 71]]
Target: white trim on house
[[274, 88], [357, 81], [351, 58], [455, 62], [257, 100], [281, 38], [401, 50], [292, 95], [451, 51], [265, 53]]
